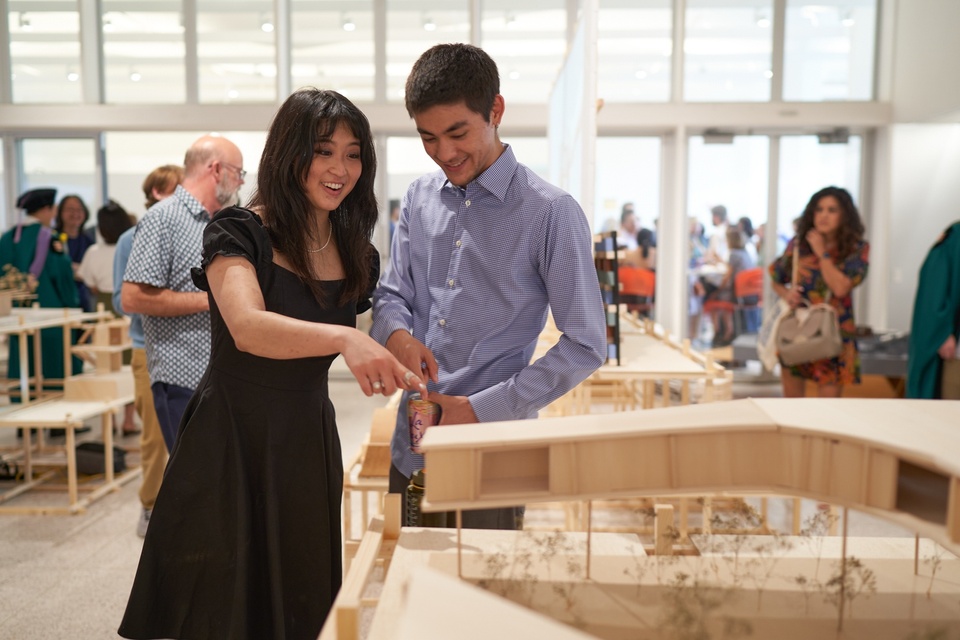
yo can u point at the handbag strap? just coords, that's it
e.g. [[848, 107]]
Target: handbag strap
[[796, 271]]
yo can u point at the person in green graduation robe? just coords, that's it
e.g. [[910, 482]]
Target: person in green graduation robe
[[936, 314], [31, 247]]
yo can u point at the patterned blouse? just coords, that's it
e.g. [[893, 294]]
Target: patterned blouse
[[815, 288]]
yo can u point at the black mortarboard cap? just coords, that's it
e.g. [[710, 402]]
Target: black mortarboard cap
[[37, 199]]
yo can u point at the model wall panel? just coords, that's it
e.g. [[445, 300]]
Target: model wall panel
[[847, 471], [882, 480], [792, 456], [563, 461], [459, 474], [622, 464]]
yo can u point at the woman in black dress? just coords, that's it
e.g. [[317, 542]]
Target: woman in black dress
[[244, 540]]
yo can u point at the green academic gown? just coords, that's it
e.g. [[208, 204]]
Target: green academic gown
[[55, 288], [934, 314]]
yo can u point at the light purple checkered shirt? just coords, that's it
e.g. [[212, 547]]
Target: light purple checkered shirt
[[472, 273]]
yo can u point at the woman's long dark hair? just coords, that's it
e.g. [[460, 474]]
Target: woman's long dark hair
[[851, 230], [307, 117]]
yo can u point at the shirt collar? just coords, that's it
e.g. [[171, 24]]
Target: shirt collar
[[496, 178], [191, 203]]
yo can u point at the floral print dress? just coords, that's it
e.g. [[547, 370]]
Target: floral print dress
[[845, 368]]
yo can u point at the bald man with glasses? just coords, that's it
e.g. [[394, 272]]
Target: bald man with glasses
[[157, 283]]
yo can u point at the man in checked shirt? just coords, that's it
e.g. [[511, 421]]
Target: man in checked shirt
[[483, 248]]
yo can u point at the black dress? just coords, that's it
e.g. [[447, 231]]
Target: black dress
[[244, 541]]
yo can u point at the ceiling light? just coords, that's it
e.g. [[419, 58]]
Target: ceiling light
[[510, 20], [25, 23], [135, 76], [847, 19], [640, 74], [763, 22], [233, 94], [73, 76], [107, 23], [349, 24], [266, 26], [514, 75], [768, 73], [429, 24]]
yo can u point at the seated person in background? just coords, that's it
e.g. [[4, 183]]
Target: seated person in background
[[627, 233], [717, 249], [745, 225], [645, 253], [739, 260]]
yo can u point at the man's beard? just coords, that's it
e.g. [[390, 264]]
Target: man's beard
[[226, 197]]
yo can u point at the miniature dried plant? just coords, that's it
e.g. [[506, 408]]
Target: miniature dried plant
[[935, 560], [850, 579], [814, 529], [15, 280], [769, 550], [691, 606], [513, 575]]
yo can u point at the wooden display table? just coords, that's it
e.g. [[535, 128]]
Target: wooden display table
[[24, 323], [70, 416]]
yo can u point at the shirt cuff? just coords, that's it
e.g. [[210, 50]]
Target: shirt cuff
[[490, 405], [384, 327]]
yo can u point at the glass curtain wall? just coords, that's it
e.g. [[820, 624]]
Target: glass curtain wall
[[728, 51], [143, 53], [829, 50], [236, 55], [528, 43], [635, 50], [628, 171], [45, 52], [333, 46], [74, 173], [413, 27], [734, 175]]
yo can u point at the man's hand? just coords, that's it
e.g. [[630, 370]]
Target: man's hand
[[413, 354], [948, 349], [456, 409]]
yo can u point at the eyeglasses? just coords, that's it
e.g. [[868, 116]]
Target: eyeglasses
[[239, 170]]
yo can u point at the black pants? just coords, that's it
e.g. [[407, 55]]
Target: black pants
[[506, 518]]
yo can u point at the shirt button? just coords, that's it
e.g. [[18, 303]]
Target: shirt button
[[458, 243], [443, 322], [467, 203], [450, 282]]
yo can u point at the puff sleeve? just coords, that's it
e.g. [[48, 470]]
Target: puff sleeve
[[233, 232]]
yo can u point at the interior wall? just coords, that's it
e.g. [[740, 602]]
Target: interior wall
[[924, 146], [925, 199], [925, 86]]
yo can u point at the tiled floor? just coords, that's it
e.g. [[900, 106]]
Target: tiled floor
[[68, 577]]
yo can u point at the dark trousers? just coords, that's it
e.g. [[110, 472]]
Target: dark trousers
[[170, 401], [506, 518]]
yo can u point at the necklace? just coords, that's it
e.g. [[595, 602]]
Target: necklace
[[329, 235]]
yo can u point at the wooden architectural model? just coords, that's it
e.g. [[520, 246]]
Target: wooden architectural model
[[898, 459]]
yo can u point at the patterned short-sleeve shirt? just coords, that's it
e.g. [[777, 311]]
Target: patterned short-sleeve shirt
[[167, 244]]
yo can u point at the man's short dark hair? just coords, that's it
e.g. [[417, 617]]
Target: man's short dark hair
[[453, 73]]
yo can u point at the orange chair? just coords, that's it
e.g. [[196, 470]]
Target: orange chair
[[748, 293], [747, 299], [638, 289]]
